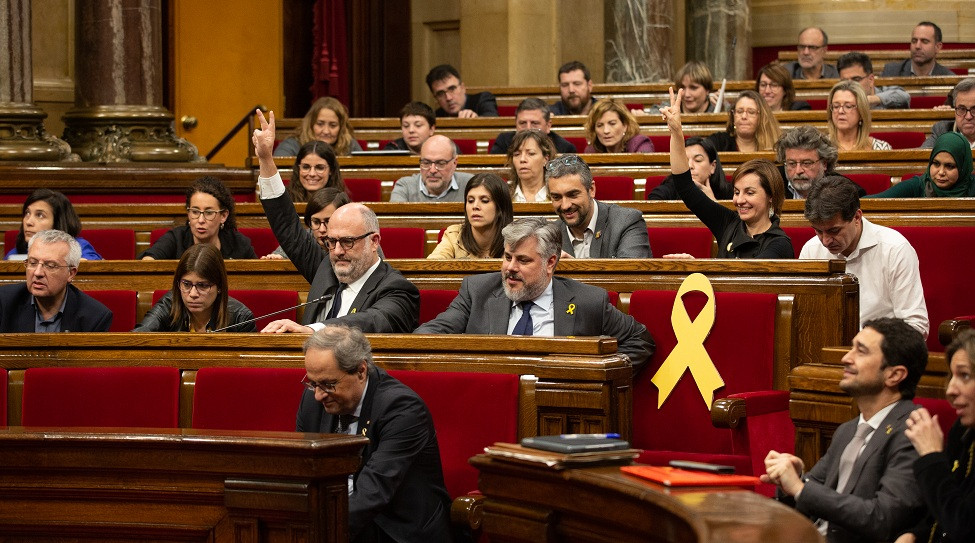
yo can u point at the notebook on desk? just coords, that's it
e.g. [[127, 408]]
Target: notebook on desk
[[669, 476]]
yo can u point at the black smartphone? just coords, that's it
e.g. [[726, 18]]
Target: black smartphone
[[702, 466]]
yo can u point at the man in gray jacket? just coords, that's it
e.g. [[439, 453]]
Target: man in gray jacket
[[437, 180]]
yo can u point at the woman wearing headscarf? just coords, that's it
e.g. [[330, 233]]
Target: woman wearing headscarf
[[949, 172]]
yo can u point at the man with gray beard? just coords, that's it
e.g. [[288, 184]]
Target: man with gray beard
[[807, 156], [527, 299]]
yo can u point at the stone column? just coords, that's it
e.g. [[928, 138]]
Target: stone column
[[118, 114], [22, 135], [718, 34], [638, 41]]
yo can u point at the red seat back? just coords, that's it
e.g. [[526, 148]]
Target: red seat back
[[364, 189], [661, 144], [10, 240], [940, 251], [467, 146], [434, 302], [927, 102], [470, 411], [873, 183], [262, 239], [940, 407], [261, 399], [507, 111], [799, 236], [403, 242], [901, 139], [262, 302], [653, 181], [122, 303], [112, 243], [3, 397], [817, 103], [106, 396], [579, 142], [613, 187], [157, 233], [693, 240]]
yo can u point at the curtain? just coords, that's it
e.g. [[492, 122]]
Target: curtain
[[330, 61]]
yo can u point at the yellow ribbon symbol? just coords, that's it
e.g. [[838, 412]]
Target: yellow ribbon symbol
[[571, 310], [690, 353], [351, 311]]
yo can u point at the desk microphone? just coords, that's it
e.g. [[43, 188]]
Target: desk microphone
[[322, 298]]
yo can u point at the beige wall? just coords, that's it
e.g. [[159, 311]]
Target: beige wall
[[52, 49]]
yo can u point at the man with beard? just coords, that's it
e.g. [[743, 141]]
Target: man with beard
[[592, 229], [527, 299], [575, 87], [925, 45], [438, 180], [863, 488], [353, 285], [806, 155], [812, 52]]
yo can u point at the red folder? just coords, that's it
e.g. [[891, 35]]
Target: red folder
[[669, 476]]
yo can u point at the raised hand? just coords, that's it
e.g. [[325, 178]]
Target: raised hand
[[263, 137], [671, 113]]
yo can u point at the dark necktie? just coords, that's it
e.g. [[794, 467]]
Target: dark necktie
[[336, 302], [524, 326], [850, 454], [344, 422]]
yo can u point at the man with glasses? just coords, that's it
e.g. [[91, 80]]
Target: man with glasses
[[48, 302], [526, 298], [925, 45], [963, 98], [532, 114], [437, 180], [806, 155], [398, 493], [592, 229], [450, 92], [812, 50], [856, 66]]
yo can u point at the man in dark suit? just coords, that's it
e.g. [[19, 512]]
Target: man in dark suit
[[398, 493], [863, 488], [526, 298], [591, 228], [532, 114], [925, 45], [451, 93], [353, 286], [48, 302]]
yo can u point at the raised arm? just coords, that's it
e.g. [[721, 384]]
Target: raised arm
[[263, 139], [671, 114]]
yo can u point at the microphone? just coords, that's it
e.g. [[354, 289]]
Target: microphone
[[322, 298]]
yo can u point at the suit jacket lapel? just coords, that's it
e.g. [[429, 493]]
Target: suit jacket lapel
[[370, 286], [602, 218], [565, 316], [841, 438], [880, 437], [324, 280], [498, 304]]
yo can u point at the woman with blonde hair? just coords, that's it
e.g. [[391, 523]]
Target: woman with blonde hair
[[751, 126], [327, 121], [611, 128], [849, 119], [530, 151]]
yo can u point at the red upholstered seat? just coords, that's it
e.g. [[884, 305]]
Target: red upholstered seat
[[507, 111], [467, 146], [694, 240], [3, 397], [262, 302], [940, 407], [9, 240], [741, 344], [907, 176], [942, 252], [653, 181], [901, 139], [579, 142], [799, 236], [433, 302], [817, 103], [927, 102], [157, 233], [873, 183], [247, 398], [112, 243], [117, 396], [122, 303], [613, 187], [364, 189], [262, 239], [403, 242], [470, 411], [661, 144]]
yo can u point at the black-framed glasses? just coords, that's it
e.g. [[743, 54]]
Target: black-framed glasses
[[203, 287], [327, 388], [769, 85], [806, 164], [32, 263], [440, 164], [319, 168], [347, 243], [317, 223], [565, 160], [208, 214], [963, 111]]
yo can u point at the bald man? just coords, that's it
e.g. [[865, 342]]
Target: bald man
[[437, 180]]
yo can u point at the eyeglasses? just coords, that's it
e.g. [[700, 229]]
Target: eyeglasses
[[791, 164], [327, 388], [319, 168], [963, 111], [443, 92], [565, 160], [208, 214], [811, 48], [346, 243], [203, 287], [32, 263], [845, 107], [749, 111], [317, 223], [440, 164], [769, 85]]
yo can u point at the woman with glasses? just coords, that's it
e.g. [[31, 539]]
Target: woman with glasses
[[775, 86], [611, 128], [315, 168], [327, 121], [528, 154], [949, 173], [198, 301], [752, 229], [751, 126], [486, 212], [47, 209], [849, 119], [209, 219], [317, 212]]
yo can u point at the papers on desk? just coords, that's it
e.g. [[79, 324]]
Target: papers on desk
[[669, 476], [511, 452]]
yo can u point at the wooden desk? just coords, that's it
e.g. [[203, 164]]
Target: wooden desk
[[535, 504], [174, 485], [568, 385]]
